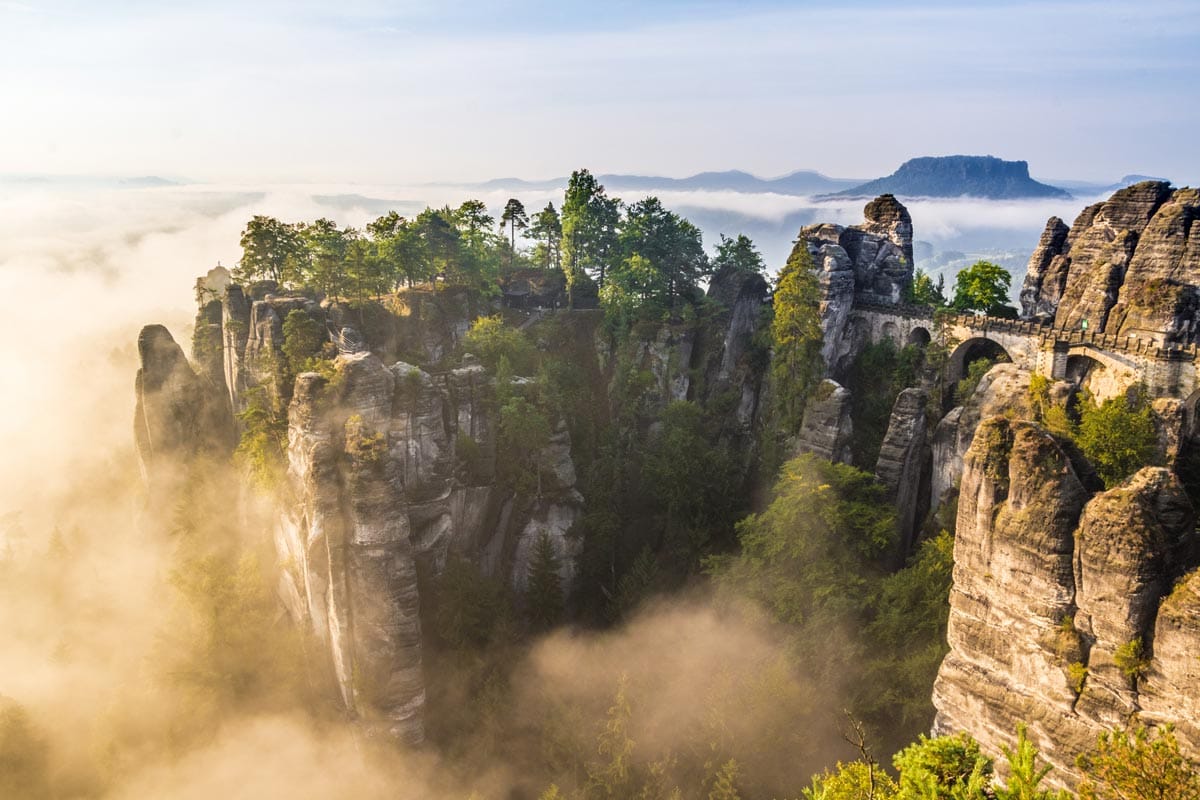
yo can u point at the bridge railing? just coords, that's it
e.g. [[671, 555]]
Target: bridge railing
[[1137, 345]]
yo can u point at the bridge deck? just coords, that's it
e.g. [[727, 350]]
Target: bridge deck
[[1046, 333]]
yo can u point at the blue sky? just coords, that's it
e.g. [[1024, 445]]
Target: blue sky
[[420, 91]]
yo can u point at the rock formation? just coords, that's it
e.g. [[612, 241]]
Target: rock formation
[[1129, 266], [903, 460], [868, 263], [392, 457], [1046, 274], [826, 427], [180, 418], [1050, 587]]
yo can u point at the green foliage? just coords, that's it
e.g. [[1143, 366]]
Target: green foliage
[[264, 437], [524, 433], [1131, 658], [515, 218], [303, 340], [875, 379], [226, 649], [811, 556], [1140, 765], [23, 755], [983, 286], [543, 591], [1118, 436], [365, 446], [923, 291], [856, 780], [590, 219], [546, 231], [1077, 673], [951, 767], [739, 255], [970, 382], [468, 452], [797, 337], [471, 610], [662, 255], [271, 250], [723, 785], [908, 642], [1024, 773], [691, 478], [491, 339]]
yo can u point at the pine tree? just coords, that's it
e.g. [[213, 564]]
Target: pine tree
[[544, 594], [796, 331]]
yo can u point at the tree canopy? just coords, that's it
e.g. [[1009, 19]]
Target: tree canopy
[[983, 287]]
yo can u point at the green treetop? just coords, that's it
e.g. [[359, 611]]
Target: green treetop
[[984, 287], [546, 230], [589, 228], [738, 254]]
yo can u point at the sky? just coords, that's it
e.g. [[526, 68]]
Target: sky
[[410, 90]]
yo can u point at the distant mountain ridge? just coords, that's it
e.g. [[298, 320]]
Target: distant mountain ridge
[[958, 176]]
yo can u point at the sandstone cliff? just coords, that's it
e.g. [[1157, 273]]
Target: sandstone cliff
[[1051, 587], [392, 458], [1129, 266], [869, 263]]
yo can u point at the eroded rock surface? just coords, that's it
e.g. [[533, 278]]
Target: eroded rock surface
[[1048, 585], [179, 417], [871, 262], [1129, 266], [826, 429], [902, 459]]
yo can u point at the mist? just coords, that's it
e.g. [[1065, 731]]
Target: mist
[[89, 599]]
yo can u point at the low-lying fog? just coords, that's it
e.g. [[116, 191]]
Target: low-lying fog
[[82, 269]]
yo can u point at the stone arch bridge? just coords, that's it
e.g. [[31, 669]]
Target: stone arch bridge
[[1168, 370]]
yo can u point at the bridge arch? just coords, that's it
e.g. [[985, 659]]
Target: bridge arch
[[889, 330], [1101, 373], [919, 336], [970, 351]]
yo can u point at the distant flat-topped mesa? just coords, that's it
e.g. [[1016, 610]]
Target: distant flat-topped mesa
[[1128, 267], [958, 176]]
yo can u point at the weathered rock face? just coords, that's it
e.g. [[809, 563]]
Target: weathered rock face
[[179, 416], [1044, 579], [871, 262], [383, 494], [902, 459], [1003, 390], [826, 429], [1130, 266], [1046, 274]]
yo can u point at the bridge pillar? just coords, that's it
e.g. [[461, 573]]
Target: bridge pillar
[[1052, 360]]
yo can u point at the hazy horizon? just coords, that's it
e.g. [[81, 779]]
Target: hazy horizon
[[366, 91]]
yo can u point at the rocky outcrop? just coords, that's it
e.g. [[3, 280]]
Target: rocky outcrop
[[729, 353], [1049, 587], [869, 263], [901, 467], [1046, 274], [179, 417], [1129, 266], [393, 470], [826, 428], [1004, 390]]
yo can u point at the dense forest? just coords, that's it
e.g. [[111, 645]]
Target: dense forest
[[739, 628]]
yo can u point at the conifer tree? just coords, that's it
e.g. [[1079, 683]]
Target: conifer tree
[[543, 593]]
